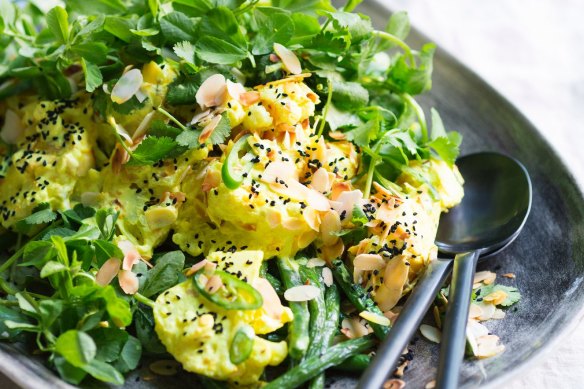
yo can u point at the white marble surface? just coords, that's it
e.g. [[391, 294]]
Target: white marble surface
[[532, 51]]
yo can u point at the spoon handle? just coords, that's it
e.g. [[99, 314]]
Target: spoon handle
[[454, 335], [409, 319]]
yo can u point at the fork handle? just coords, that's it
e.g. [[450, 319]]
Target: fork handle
[[408, 322], [454, 334]]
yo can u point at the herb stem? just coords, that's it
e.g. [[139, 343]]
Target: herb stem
[[121, 141], [144, 300], [329, 97], [419, 114], [398, 42], [7, 288], [172, 118], [369, 180]]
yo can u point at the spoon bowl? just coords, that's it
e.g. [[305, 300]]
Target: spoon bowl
[[496, 202]]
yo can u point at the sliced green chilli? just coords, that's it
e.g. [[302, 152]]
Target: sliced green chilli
[[233, 168], [242, 344], [235, 293]]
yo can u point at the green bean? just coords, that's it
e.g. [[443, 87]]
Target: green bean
[[357, 295], [298, 338], [355, 364], [313, 366], [209, 383], [276, 283]]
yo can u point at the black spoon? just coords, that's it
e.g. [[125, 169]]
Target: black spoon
[[494, 208]]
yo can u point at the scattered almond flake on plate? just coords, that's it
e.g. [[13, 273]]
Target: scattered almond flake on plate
[[508, 275], [433, 334], [375, 318], [315, 262], [301, 293], [165, 367], [474, 311], [327, 276], [483, 276], [497, 297], [430, 385], [487, 310], [394, 383], [127, 86], [499, 314]]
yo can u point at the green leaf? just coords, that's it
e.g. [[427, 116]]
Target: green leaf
[[50, 311], [95, 52], [106, 222], [358, 26], [447, 147], [222, 41], [275, 25], [130, 355], [37, 253], [399, 25], [158, 128], [24, 304], [309, 7], [185, 51], [8, 314], [152, 150], [153, 5], [221, 132], [513, 294], [61, 249], [305, 28], [117, 308], [42, 214], [93, 77], [359, 217], [76, 347], [68, 372], [412, 79], [119, 27], [178, 27], [144, 323], [52, 267], [189, 138], [109, 343], [166, 273], [94, 26], [105, 250], [103, 372], [57, 20], [438, 130], [349, 95]]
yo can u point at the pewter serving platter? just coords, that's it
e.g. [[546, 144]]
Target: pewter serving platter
[[547, 258]]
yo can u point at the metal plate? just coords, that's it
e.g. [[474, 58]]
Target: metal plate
[[548, 256]]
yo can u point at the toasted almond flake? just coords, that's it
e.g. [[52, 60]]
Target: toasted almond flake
[[394, 279], [108, 271], [316, 200], [475, 311], [12, 129], [375, 318], [315, 262], [201, 116], [347, 200], [210, 267], [211, 180], [301, 293], [484, 275], [347, 328], [508, 275], [234, 89], [499, 314], [488, 352], [128, 281], [292, 223], [337, 135], [359, 327], [369, 262], [212, 91], [166, 367], [321, 181], [213, 284], [249, 98], [476, 329], [281, 171], [196, 267], [394, 383], [392, 316], [272, 304], [288, 58], [333, 252], [433, 334], [331, 223], [274, 218], [487, 310], [140, 95], [90, 199], [477, 285], [496, 297], [127, 86], [286, 142], [430, 385], [131, 255], [312, 218], [338, 188], [327, 276], [143, 126], [209, 128]]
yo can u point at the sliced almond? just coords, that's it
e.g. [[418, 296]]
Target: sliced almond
[[499, 314], [209, 128], [475, 311], [375, 318], [369, 262], [315, 262], [316, 200], [497, 297], [345, 201], [476, 329], [272, 304], [234, 89], [508, 275], [394, 383], [430, 385], [196, 267], [288, 58], [12, 129], [395, 277], [484, 275], [337, 135], [249, 98], [292, 223], [321, 181], [327, 276], [201, 116], [433, 334], [333, 252], [143, 126], [214, 283], [127, 86], [331, 223], [301, 293], [108, 271], [128, 281], [211, 91], [359, 328], [487, 310], [312, 218], [131, 254], [347, 328]]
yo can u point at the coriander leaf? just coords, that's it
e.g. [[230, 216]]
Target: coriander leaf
[[349, 95], [177, 27], [275, 25], [308, 7], [93, 77], [222, 131], [359, 217], [399, 25], [166, 273], [151, 150], [513, 295], [57, 20], [189, 138], [76, 347], [357, 25], [447, 147], [103, 372], [438, 130], [42, 214], [185, 50], [52, 267], [410, 78], [159, 128], [337, 118], [222, 41], [183, 90]]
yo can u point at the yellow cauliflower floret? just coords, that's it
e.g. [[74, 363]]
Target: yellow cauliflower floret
[[198, 333], [257, 119]]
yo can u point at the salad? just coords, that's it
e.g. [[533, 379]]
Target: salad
[[245, 188]]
